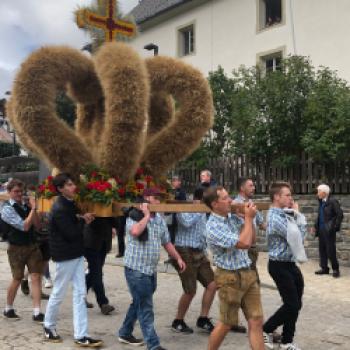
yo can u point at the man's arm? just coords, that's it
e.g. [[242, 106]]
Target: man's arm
[[170, 248], [11, 217], [36, 219], [247, 236], [137, 228]]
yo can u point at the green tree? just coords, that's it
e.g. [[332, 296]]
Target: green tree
[[8, 149], [281, 98], [65, 108], [327, 116], [260, 114]]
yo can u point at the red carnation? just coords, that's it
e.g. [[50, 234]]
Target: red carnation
[[41, 188], [148, 178], [118, 180], [94, 174], [52, 188], [121, 192], [139, 171], [90, 186], [50, 178], [139, 186]]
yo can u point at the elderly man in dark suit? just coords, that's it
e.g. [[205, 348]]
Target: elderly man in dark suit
[[327, 224]]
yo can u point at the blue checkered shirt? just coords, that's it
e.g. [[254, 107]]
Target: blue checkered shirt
[[276, 233], [143, 256], [11, 217], [259, 217], [222, 235], [191, 230]]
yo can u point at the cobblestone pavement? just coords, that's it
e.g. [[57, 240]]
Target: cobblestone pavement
[[323, 323]]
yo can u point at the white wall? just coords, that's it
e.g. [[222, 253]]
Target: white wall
[[226, 34]]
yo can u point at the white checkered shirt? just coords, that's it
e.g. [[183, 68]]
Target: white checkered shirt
[[276, 233], [222, 234], [191, 230], [144, 256]]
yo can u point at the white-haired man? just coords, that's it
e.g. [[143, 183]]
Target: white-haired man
[[327, 224], [206, 178]]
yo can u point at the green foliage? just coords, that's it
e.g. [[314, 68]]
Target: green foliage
[[276, 115], [65, 108], [328, 118], [6, 149]]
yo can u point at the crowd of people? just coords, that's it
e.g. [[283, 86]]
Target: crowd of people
[[195, 243]]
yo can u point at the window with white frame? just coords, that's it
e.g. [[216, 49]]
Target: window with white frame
[[271, 62], [186, 39]]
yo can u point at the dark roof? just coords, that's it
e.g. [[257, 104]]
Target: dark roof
[[148, 9]]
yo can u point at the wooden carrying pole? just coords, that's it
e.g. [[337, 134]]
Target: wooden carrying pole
[[183, 207]]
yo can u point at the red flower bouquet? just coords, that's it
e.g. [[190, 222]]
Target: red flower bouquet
[[46, 189], [98, 187]]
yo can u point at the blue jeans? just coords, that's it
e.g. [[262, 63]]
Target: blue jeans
[[142, 288], [66, 272]]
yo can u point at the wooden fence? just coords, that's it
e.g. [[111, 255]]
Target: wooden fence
[[304, 176]]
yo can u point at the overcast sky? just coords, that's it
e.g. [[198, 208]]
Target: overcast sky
[[26, 25]]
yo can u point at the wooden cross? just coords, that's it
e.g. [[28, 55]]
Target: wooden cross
[[108, 23]]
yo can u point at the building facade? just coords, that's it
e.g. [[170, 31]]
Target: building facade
[[230, 33]]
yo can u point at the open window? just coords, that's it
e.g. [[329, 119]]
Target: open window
[[186, 40], [270, 13], [271, 62]]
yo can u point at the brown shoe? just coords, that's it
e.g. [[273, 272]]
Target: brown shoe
[[89, 305], [106, 309], [239, 329]]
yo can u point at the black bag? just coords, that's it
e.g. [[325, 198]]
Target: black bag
[[4, 230], [137, 215]]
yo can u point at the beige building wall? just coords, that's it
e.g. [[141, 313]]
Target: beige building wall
[[227, 34]]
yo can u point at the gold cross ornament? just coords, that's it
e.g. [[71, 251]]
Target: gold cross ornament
[[108, 23]]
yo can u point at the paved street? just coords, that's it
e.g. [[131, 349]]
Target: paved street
[[323, 324]]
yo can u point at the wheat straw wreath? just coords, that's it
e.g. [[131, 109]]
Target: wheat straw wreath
[[130, 111]]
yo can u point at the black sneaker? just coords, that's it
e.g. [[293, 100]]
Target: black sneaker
[[159, 348], [25, 287], [45, 296], [181, 327], [11, 315], [205, 324], [322, 272], [131, 340], [336, 274], [39, 318], [51, 336], [88, 342]]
